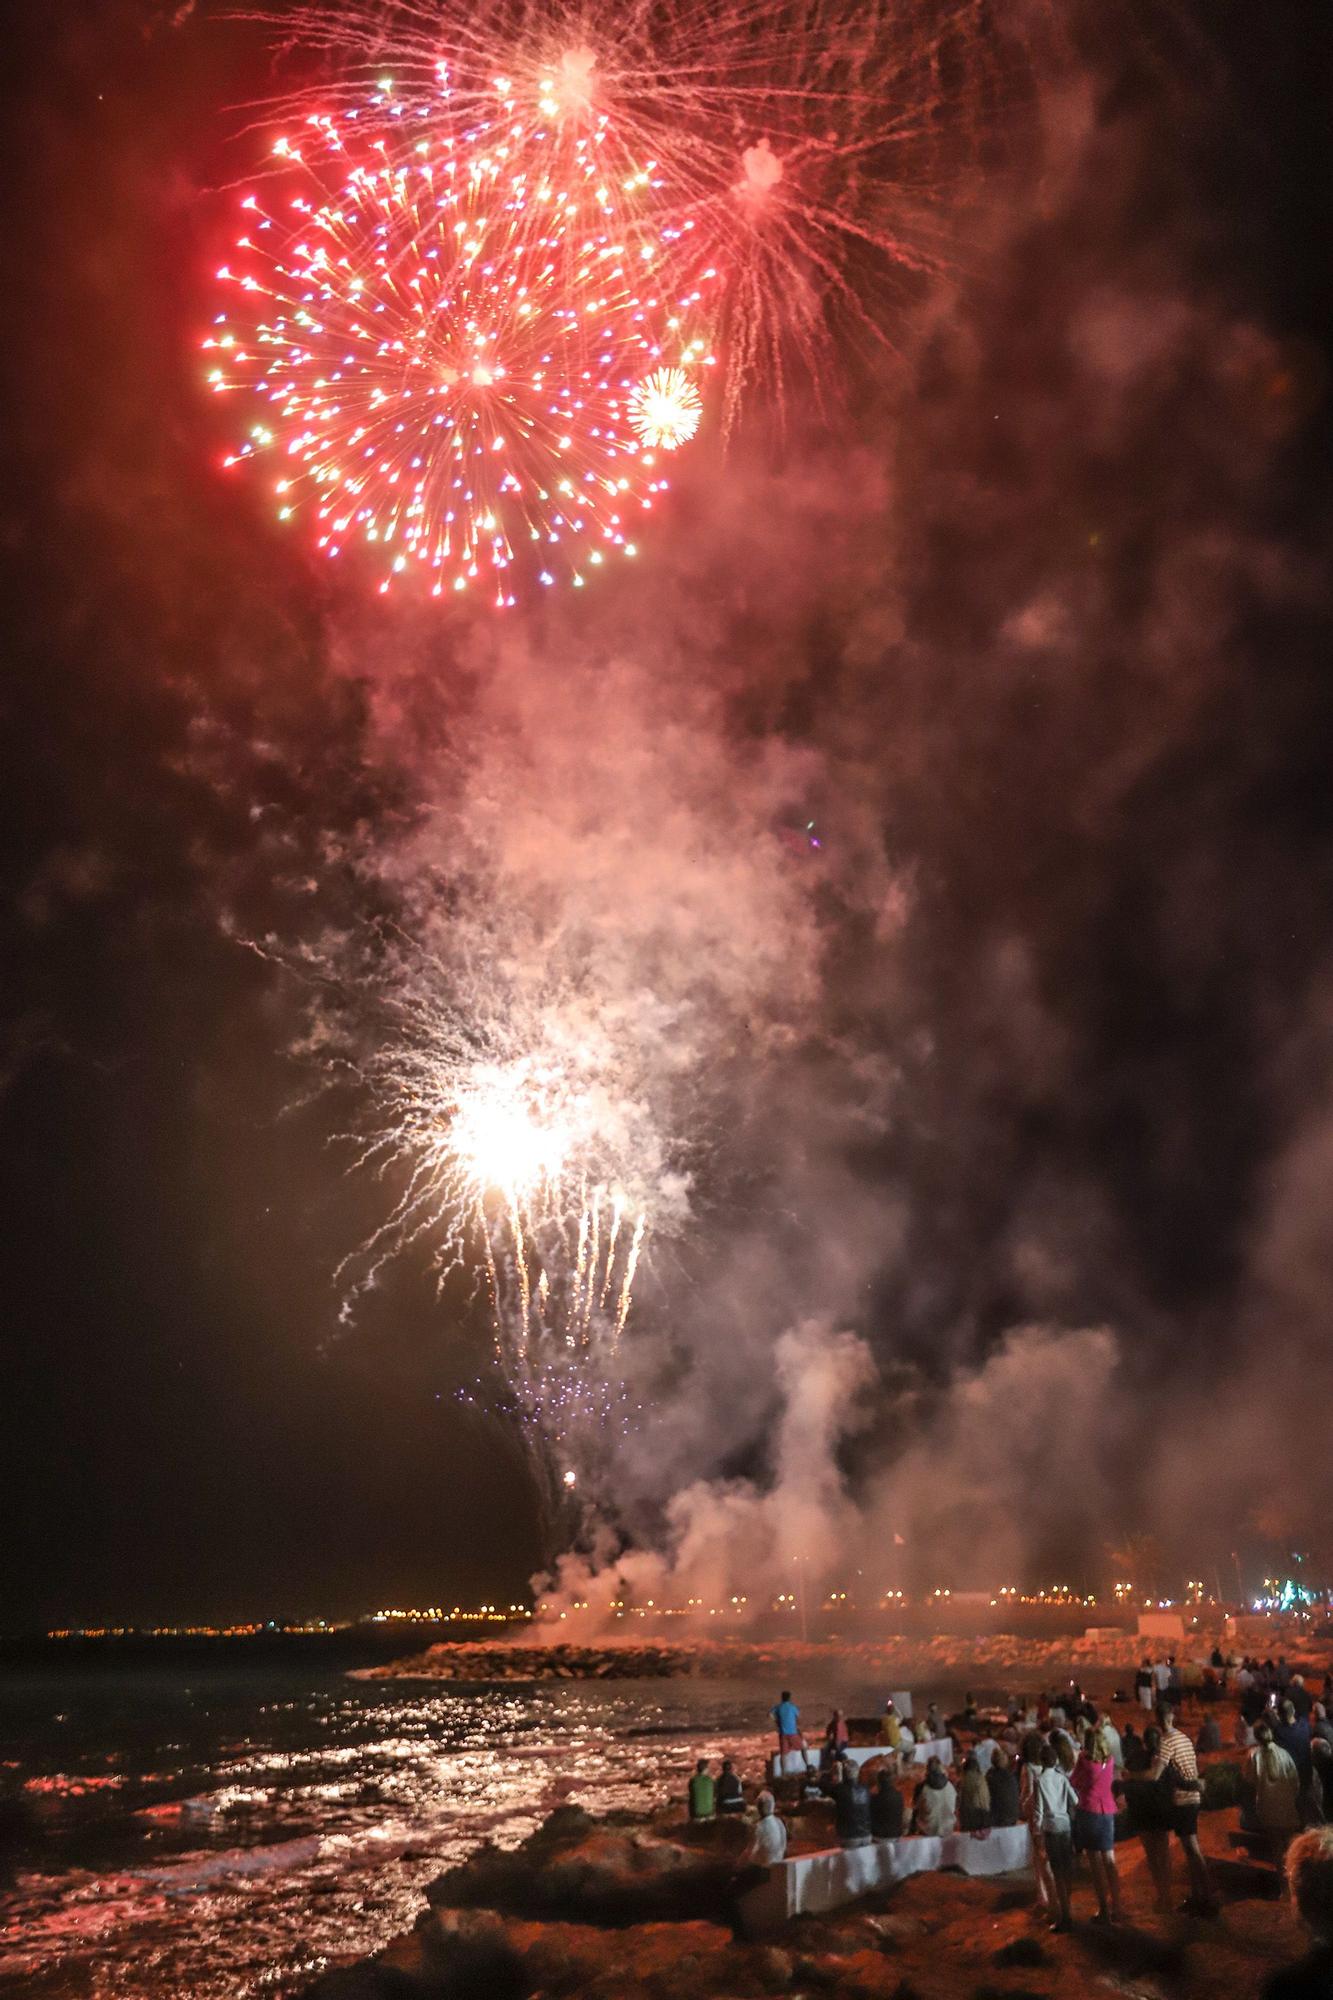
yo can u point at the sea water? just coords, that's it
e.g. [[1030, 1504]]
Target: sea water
[[232, 1830]]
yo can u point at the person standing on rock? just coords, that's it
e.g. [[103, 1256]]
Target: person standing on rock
[[1150, 1811], [787, 1717], [836, 1736], [1054, 1799], [1093, 1778], [1029, 1772], [1177, 1754]]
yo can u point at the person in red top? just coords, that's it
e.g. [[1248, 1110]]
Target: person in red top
[[1177, 1752], [836, 1738], [1093, 1778]]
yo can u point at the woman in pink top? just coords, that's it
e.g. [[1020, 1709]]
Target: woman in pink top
[[1093, 1778]]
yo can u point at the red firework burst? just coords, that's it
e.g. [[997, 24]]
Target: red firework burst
[[449, 338]]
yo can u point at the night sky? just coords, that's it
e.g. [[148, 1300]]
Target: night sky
[[1109, 1018]]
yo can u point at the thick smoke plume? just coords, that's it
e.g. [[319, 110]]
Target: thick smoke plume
[[922, 857], [887, 844]]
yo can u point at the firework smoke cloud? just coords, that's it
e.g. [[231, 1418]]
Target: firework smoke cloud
[[724, 1023]]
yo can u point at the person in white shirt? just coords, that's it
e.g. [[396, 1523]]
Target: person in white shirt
[[1161, 1678], [1277, 1789], [1029, 1770], [935, 1806], [984, 1751], [769, 1840], [1053, 1800]]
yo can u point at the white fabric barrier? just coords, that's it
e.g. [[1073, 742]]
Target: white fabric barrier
[[811, 1883], [793, 1762]]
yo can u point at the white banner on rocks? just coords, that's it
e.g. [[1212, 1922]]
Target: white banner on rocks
[[810, 1883]]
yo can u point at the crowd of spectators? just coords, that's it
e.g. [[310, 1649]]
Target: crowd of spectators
[[1060, 1765]]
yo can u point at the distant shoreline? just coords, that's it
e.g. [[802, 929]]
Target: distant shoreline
[[736, 1659], [898, 1660]]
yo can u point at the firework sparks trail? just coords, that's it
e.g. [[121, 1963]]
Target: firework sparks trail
[[819, 154], [451, 346], [627, 1282], [513, 1149]]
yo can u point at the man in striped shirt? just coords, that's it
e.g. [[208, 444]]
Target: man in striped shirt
[[1178, 1752]]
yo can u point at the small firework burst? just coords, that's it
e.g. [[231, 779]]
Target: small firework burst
[[665, 409]]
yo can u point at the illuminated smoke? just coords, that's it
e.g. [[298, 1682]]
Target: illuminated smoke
[[953, 617], [762, 170]]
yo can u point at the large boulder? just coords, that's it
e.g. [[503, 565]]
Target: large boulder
[[581, 1870], [455, 1955], [477, 1955]]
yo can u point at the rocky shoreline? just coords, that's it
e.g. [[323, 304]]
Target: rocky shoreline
[[923, 1661], [898, 1661], [480, 1661], [641, 1906]]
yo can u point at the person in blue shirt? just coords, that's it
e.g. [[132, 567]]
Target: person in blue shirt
[[787, 1716]]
